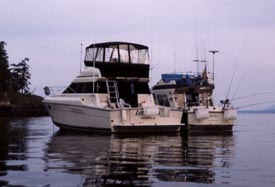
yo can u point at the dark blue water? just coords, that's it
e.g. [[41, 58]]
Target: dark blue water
[[35, 153]]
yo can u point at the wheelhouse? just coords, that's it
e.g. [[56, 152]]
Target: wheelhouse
[[184, 90]]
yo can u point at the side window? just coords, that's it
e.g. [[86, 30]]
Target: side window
[[99, 87], [163, 100], [192, 99], [70, 89]]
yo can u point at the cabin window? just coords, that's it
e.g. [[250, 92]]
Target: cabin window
[[163, 100], [94, 54], [124, 54], [111, 54], [192, 99], [139, 56], [89, 54], [132, 88], [87, 87], [99, 55]]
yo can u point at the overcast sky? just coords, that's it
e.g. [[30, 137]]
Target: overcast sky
[[50, 33]]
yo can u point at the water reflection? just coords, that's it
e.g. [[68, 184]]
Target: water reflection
[[139, 160], [12, 145], [32, 153], [21, 141]]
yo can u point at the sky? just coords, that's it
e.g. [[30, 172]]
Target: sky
[[50, 34]]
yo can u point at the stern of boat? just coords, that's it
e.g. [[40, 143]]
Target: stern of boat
[[210, 119], [146, 119]]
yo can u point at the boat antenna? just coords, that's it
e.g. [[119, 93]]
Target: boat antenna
[[175, 61], [204, 56], [197, 64], [94, 53], [151, 63], [80, 66], [197, 53], [213, 52]]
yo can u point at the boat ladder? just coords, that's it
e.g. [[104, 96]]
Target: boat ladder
[[112, 91]]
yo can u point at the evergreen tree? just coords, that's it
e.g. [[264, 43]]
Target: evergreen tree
[[4, 68], [21, 76]]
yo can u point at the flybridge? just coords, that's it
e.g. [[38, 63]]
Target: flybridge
[[119, 59]]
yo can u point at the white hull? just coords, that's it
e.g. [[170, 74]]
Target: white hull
[[112, 94], [214, 119], [91, 118]]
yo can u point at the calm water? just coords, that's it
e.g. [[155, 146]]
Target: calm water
[[35, 153]]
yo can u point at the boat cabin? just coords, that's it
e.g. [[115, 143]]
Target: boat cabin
[[184, 90], [118, 69]]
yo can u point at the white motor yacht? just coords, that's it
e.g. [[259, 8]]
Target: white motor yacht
[[112, 94]]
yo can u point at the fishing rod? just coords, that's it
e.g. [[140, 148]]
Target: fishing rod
[[237, 88], [230, 84], [226, 102]]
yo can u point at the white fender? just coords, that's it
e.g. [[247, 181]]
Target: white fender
[[202, 113], [123, 116], [150, 111]]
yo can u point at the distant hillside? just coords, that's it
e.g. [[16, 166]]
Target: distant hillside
[[270, 109]]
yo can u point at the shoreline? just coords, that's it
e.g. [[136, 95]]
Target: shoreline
[[24, 105]]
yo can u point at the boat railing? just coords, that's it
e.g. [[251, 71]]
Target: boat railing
[[69, 90], [56, 90], [122, 104]]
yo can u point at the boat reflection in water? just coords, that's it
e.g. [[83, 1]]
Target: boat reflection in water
[[140, 160]]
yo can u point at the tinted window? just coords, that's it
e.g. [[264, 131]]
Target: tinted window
[[87, 87]]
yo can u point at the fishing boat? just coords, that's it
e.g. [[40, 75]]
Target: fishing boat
[[112, 94], [193, 94]]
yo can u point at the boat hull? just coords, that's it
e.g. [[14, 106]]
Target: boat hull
[[215, 121], [90, 118]]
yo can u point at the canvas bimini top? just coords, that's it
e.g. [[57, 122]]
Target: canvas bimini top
[[117, 52], [119, 59]]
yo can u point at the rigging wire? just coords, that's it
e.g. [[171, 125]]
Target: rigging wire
[[237, 88], [252, 95], [254, 104], [230, 85]]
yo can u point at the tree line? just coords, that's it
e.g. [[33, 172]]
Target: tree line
[[13, 77]]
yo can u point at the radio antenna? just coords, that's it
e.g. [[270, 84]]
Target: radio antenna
[[175, 61], [213, 52], [80, 65]]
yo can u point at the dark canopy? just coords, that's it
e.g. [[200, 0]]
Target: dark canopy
[[119, 59]]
